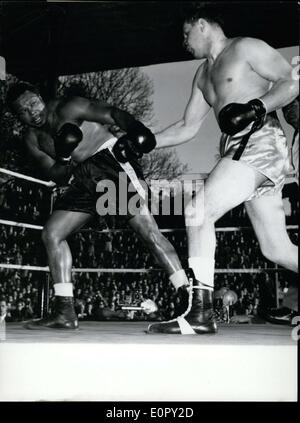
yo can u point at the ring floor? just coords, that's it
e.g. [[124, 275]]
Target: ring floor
[[135, 332], [118, 361]]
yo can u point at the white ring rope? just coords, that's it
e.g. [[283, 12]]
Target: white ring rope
[[87, 270], [224, 229], [113, 270], [218, 229], [52, 184], [20, 224], [28, 178]]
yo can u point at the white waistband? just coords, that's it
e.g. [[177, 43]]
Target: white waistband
[[107, 144], [125, 166]]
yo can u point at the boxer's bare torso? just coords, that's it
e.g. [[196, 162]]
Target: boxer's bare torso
[[230, 78], [59, 113]]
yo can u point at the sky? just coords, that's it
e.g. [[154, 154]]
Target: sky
[[172, 88]]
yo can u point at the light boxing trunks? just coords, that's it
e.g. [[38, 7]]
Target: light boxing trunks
[[81, 194], [266, 151]]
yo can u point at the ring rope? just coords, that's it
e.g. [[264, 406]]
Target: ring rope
[[53, 184], [221, 229], [114, 270], [20, 224], [49, 184]]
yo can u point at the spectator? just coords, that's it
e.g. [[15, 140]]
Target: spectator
[[4, 312]]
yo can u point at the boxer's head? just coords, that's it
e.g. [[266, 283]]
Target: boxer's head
[[201, 23], [25, 101]]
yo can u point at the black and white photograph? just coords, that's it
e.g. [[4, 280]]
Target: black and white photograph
[[149, 204]]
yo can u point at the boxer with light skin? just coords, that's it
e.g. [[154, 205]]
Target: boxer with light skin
[[244, 80], [289, 308], [68, 137]]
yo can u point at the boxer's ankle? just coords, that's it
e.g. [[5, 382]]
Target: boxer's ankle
[[179, 279], [63, 289]]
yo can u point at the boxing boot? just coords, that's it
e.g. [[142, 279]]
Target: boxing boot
[[198, 317], [182, 300], [63, 316]]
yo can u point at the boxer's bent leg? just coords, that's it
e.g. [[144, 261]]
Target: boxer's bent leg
[[268, 219], [147, 230], [59, 226], [229, 184]]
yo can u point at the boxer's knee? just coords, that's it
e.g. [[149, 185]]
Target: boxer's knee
[[152, 238], [210, 216], [272, 252], [50, 237], [156, 241]]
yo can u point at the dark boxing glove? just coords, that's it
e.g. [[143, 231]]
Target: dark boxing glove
[[124, 150], [235, 117], [66, 140], [138, 141]]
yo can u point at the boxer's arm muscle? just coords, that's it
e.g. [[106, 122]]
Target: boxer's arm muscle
[[48, 166], [185, 129], [271, 65], [103, 113]]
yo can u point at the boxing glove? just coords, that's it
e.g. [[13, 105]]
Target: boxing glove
[[235, 117], [66, 140], [138, 141]]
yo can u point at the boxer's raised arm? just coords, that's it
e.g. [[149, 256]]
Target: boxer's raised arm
[[185, 129], [138, 140], [103, 113], [271, 65], [49, 167]]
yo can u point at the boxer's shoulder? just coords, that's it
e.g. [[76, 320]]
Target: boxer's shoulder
[[200, 73], [31, 136], [234, 47], [70, 106], [39, 141], [249, 45], [31, 140]]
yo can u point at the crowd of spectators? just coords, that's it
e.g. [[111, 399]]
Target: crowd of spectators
[[20, 292], [101, 295], [24, 202]]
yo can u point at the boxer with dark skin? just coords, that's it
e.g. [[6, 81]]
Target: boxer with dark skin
[[243, 80], [69, 137]]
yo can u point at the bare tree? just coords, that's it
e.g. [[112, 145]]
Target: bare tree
[[11, 131], [129, 89], [163, 164]]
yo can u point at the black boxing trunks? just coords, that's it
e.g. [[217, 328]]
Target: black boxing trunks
[[101, 174], [266, 151]]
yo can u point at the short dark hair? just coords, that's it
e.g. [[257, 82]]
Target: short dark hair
[[198, 10], [16, 90]]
